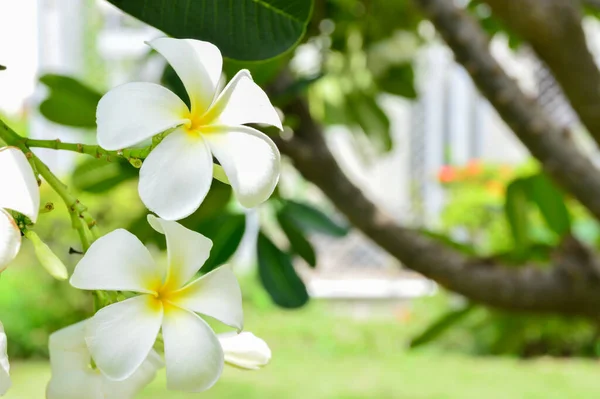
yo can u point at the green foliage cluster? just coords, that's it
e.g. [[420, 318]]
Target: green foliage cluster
[[518, 216]]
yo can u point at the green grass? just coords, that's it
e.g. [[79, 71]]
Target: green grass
[[318, 354]]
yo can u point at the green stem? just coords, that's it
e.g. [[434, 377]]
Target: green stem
[[133, 155], [82, 220]]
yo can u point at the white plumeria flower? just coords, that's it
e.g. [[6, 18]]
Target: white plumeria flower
[[4, 366], [74, 378], [245, 350], [177, 175], [18, 192], [121, 335]]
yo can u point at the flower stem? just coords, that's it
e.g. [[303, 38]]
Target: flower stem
[[82, 220], [133, 155]]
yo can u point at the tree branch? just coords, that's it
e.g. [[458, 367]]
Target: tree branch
[[554, 30], [551, 145], [570, 286]]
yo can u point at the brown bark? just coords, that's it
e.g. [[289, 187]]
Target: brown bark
[[569, 285], [553, 28]]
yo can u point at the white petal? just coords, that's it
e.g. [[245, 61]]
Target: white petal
[[198, 64], [18, 187], [118, 262], [10, 239], [243, 101], [4, 366], [187, 249], [68, 350], [245, 350], [120, 336], [250, 159], [134, 112], [131, 387], [216, 294], [193, 355], [176, 177], [73, 378]]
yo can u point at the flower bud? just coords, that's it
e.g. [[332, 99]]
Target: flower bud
[[245, 350], [47, 258]]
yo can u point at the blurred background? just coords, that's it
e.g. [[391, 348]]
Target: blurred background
[[344, 319]]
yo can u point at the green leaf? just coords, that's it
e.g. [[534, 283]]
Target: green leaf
[[516, 208], [370, 117], [440, 326], [399, 80], [298, 241], [551, 203], [311, 219], [226, 232], [70, 102], [278, 276], [248, 30], [98, 176]]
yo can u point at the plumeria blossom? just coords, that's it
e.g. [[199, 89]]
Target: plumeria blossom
[[177, 174], [245, 350], [18, 192], [121, 335], [74, 378], [4, 366]]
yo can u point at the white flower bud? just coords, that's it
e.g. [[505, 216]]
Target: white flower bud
[[245, 350]]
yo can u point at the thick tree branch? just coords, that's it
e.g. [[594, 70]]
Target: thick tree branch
[[570, 286], [554, 30], [551, 145]]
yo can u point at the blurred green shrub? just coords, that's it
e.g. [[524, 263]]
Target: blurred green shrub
[[514, 214]]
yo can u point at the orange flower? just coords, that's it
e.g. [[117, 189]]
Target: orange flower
[[447, 174], [473, 167]]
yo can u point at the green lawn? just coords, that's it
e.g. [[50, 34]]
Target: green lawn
[[319, 355]]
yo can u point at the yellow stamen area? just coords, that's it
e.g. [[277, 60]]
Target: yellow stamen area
[[196, 122]]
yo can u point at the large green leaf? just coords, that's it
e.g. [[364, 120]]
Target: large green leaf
[[373, 121], [278, 275], [551, 203], [248, 30], [311, 219], [298, 242], [516, 208], [399, 80], [97, 176], [226, 232], [70, 102]]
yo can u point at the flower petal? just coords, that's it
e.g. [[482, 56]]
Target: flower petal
[[250, 159], [68, 350], [193, 354], [131, 387], [10, 239], [118, 262], [187, 249], [73, 378], [216, 294], [4, 366], [19, 190], [134, 112], [120, 336], [198, 64], [176, 176], [245, 350], [243, 101]]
